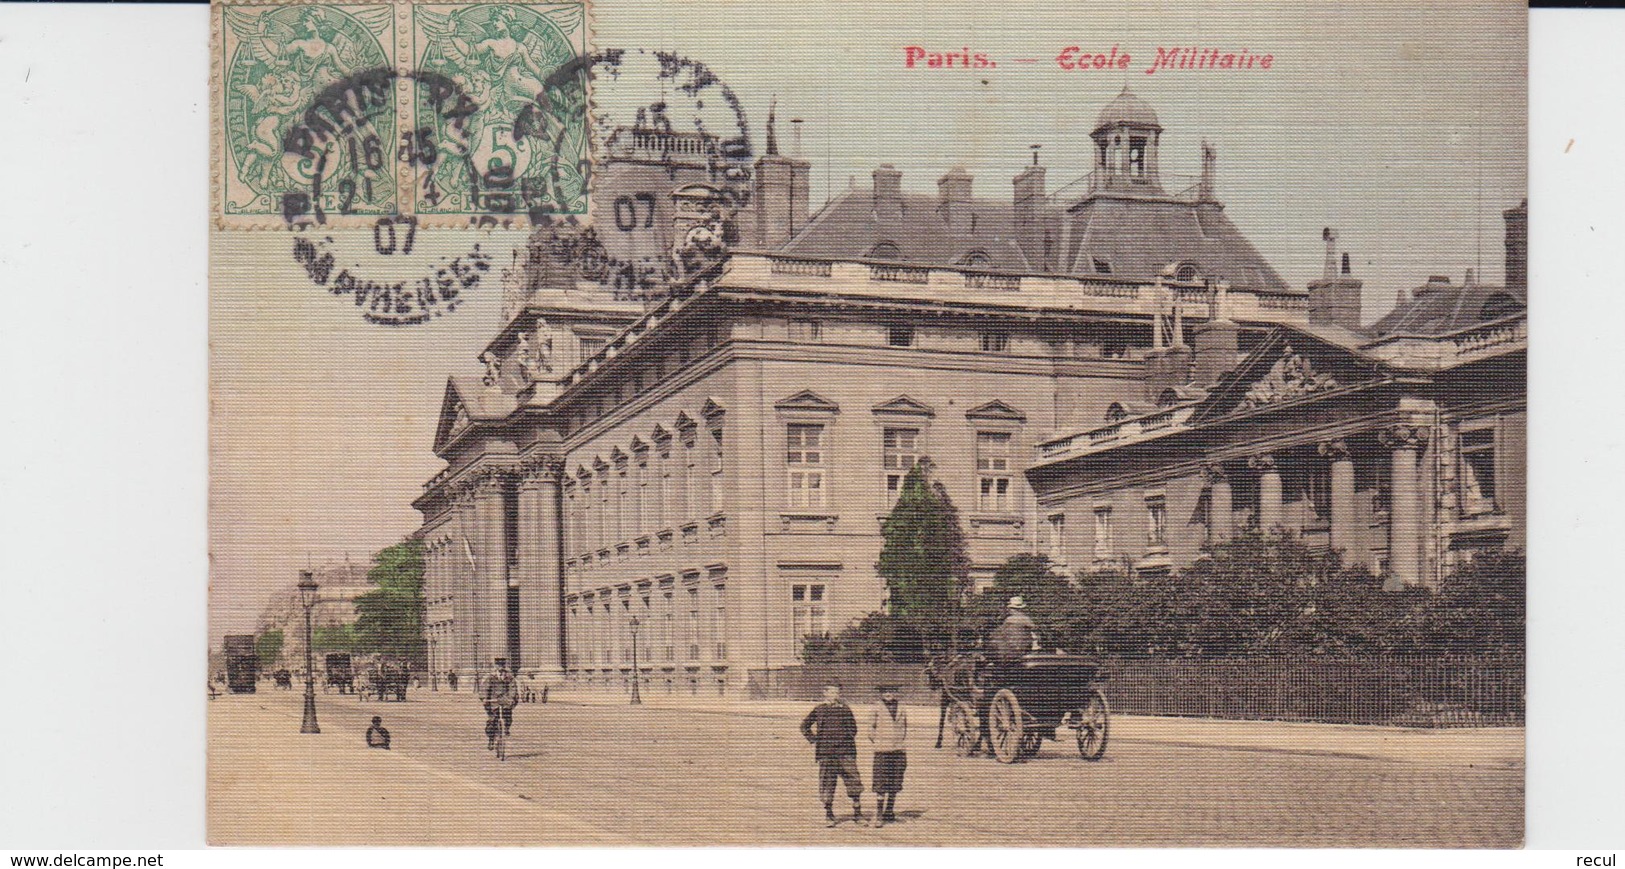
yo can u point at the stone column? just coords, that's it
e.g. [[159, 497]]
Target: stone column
[[1269, 491], [1404, 508], [1220, 509], [490, 570], [1345, 531], [540, 571]]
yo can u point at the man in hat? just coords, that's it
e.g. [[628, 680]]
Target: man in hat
[[833, 730], [888, 735], [501, 696], [1015, 636]]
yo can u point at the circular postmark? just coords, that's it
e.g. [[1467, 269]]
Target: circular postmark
[[670, 177], [392, 302]]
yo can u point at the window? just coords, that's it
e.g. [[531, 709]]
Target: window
[[1136, 156], [993, 471], [1186, 272], [716, 470], [809, 613], [589, 346], [1156, 529], [995, 342], [687, 503], [885, 250], [662, 504], [900, 336], [1057, 536], [1478, 472], [899, 448], [804, 463], [693, 595], [642, 504], [623, 630], [668, 615], [1103, 533], [804, 330], [719, 624]]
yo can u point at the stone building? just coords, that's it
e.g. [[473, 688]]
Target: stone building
[[340, 583], [1402, 445], [697, 451]]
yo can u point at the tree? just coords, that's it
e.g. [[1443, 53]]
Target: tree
[[268, 646], [923, 557], [389, 619]]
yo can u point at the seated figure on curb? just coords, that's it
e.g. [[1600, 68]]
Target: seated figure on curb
[[377, 734]]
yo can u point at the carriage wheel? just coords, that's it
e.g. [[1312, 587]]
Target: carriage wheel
[[1030, 743], [1006, 726], [967, 730], [1094, 719]]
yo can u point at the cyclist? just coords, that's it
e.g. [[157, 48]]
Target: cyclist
[[501, 696]]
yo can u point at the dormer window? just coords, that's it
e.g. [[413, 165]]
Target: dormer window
[[977, 260], [1186, 273], [1102, 267], [885, 250], [1116, 412]]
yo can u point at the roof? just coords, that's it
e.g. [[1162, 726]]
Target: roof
[[1127, 109], [1134, 238], [1440, 307], [849, 227], [1138, 237]]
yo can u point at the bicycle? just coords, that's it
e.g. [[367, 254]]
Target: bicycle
[[495, 731]]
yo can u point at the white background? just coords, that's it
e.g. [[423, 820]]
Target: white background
[[103, 567]]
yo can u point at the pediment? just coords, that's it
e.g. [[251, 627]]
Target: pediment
[[996, 410], [905, 406], [1287, 367], [807, 400], [454, 417]]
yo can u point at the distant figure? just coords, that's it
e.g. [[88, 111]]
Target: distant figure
[[451, 679], [501, 696], [544, 695], [888, 736], [1015, 636], [377, 734], [833, 731]]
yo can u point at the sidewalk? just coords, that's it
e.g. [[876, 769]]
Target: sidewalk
[[1483, 747], [341, 793]]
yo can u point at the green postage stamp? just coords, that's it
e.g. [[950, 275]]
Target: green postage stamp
[[339, 114]]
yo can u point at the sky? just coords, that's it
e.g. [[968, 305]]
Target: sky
[[1401, 126]]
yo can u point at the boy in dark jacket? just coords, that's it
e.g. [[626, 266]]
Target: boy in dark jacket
[[377, 734], [833, 731]]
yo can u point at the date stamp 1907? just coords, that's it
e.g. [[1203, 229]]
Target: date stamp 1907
[[337, 115]]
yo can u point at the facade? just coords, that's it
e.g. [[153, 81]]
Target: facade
[[1402, 446], [687, 460]]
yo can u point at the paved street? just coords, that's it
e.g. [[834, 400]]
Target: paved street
[[588, 770]]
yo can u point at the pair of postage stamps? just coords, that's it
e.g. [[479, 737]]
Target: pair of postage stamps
[[339, 114]]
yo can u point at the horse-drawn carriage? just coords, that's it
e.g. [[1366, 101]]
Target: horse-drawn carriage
[[387, 679], [340, 673], [1012, 708]]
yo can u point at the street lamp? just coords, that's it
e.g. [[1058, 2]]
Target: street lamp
[[307, 596], [637, 699]]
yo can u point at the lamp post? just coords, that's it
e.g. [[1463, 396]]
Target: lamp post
[[637, 699], [307, 596]]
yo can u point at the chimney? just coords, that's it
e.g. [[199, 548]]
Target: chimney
[[782, 188], [1204, 188], [888, 192], [954, 199], [1334, 300], [1028, 214], [1517, 244]]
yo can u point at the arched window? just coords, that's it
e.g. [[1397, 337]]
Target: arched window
[[1168, 398], [1116, 412], [1185, 272], [976, 259], [885, 250]]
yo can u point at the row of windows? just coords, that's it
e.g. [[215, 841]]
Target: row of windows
[[807, 464], [666, 623], [897, 335], [671, 482]]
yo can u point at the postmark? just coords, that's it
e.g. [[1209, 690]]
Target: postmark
[[338, 114], [387, 301]]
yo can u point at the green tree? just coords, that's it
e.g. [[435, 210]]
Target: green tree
[[268, 646], [389, 619], [334, 638], [923, 558]]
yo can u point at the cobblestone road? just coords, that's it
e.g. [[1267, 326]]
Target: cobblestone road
[[653, 776]]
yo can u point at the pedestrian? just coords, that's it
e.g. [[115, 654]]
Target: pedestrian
[[888, 735], [377, 734], [833, 730], [451, 679]]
